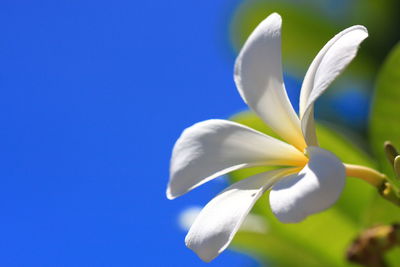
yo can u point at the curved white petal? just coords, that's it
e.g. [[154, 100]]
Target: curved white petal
[[258, 77], [218, 222], [327, 65], [315, 188], [252, 223], [213, 148], [308, 127]]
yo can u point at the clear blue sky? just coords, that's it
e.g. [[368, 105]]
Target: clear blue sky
[[93, 95]]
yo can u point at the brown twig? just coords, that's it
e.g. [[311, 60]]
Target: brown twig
[[369, 247]]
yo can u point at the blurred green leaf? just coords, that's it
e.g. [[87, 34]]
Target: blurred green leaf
[[385, 113], [272, 248], [385, 125], [381, 18], [306, 29]]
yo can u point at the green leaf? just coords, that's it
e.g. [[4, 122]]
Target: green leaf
[[385, 125], [272, 248], [305, 30], [385, 113]]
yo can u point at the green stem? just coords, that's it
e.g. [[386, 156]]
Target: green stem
[[385, 187], [367, 174]]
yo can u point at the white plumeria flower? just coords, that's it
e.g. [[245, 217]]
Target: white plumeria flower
[[311, 178]]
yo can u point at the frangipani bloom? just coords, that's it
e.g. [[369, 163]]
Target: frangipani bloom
[[310, 179]]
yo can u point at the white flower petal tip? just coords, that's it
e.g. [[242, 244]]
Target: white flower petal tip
[[259, 80], [218, 222], [315, 188], [212, 148], [327, 65], [169, 195]]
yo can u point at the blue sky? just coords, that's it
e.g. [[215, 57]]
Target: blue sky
[[93, 95]]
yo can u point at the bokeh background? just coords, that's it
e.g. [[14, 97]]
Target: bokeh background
[[93, 95]]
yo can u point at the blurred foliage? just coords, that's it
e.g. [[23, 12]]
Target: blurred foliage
[[308, 25], [385, 112], [322, 239]]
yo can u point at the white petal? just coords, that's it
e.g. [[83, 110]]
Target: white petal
[[221, 218], [215, 147], [252, 223], [315, 188], [258, 77], [308, 127], [327, 65]]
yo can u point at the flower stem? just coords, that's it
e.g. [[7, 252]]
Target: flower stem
[[369, 175], [379, 180]]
